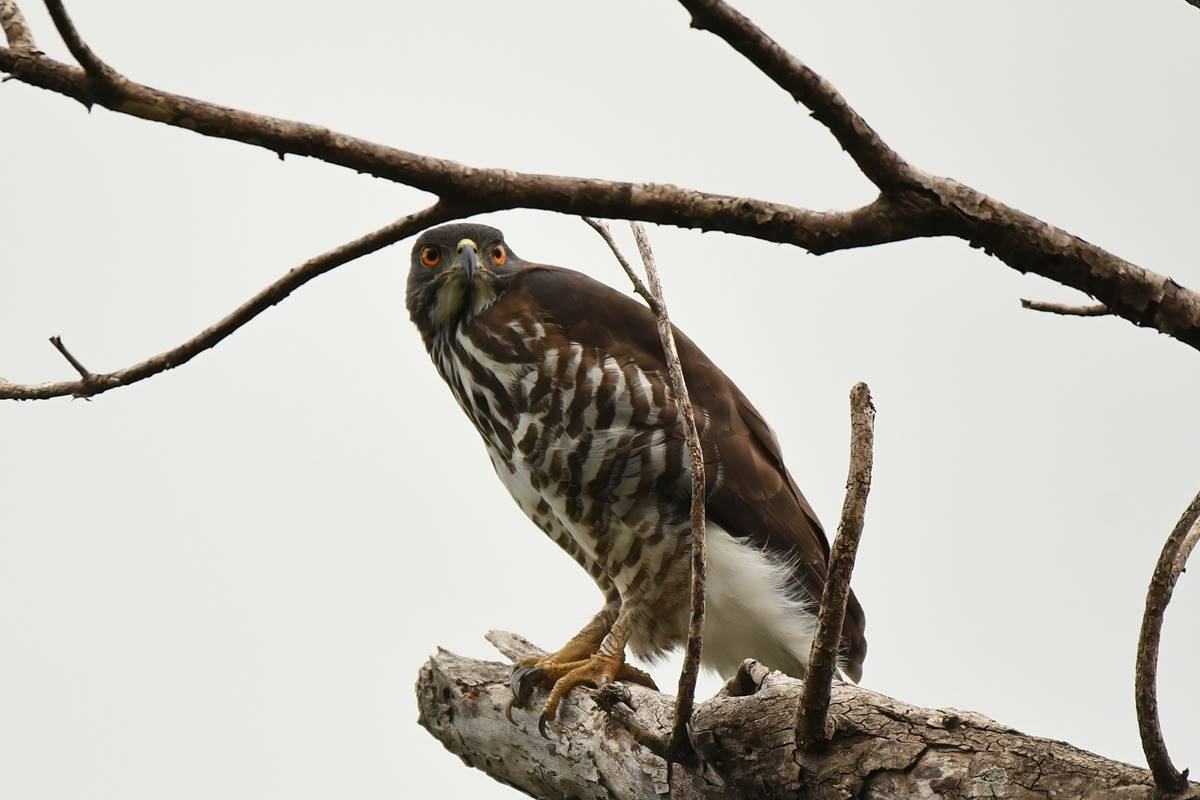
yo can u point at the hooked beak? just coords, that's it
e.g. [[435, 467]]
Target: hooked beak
[[468, 259]]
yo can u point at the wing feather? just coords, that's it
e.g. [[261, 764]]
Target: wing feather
[[750, 491]]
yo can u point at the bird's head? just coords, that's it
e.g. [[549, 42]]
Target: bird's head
[[457, 271]]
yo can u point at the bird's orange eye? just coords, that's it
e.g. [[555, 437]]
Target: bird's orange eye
[[498, 254], [430, 256]]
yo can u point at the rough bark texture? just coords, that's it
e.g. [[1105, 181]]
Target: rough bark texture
[[881, 747]]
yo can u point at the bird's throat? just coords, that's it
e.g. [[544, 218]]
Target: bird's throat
[[456, 298]]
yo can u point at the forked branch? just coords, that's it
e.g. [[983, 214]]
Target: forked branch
[[911, 204], [813, 710]]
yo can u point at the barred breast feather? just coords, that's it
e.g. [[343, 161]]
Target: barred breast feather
[[565, 381]]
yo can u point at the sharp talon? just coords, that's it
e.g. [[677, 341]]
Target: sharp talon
[[508, 707], [521, 682], [542, 727]]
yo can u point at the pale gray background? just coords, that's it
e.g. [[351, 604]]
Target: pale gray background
[[222, 582]]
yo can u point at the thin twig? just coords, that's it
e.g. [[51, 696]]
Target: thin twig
[[16, 30], [812, 714], [272, 294], [1094, 310], [680, 746], [1189, 544], [1167, 778], [601, 227], [84, 373], [96, 69]]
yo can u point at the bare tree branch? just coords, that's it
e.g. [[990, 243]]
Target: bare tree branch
[[1185, 550], [83, 371], [601, 227], [946, 207], [883, 749], [97, 70], [1095, 310], [16, 30], [882, 165], [1170, 781], [913, 203], [92, 383], [680, 747], [811, 716]]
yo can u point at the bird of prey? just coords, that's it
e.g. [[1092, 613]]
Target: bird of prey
[[565, 380]]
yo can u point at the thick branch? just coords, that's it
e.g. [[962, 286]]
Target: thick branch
[[822, 659], [93, 384], [484, 189], [1169, 780], [882, 749], [680, 746]]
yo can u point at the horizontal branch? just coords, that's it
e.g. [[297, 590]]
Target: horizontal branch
[[1095, 310], [95, 383], [914, 204], [483, 189], [882, 748]]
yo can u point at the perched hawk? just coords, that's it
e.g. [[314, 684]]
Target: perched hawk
[[564, 379]]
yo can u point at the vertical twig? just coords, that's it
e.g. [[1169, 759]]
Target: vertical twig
[[812, 714], [680, 747], [1167, 778]]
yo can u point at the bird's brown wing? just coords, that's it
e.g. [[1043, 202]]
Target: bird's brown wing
[[750, 492]]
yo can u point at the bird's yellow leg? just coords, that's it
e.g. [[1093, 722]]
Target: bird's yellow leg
[[598, 670], [545, 670], [595, 656], [581, 645]]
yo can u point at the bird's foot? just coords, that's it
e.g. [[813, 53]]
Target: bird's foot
[[563, 676]]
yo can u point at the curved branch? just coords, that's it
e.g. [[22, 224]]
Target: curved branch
[[812, 713], [95, 383], [1168, 779]]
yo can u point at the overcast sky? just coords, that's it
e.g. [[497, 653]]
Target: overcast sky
[[222, 582]]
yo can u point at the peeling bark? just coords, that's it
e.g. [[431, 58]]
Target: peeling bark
[[881, 748]]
